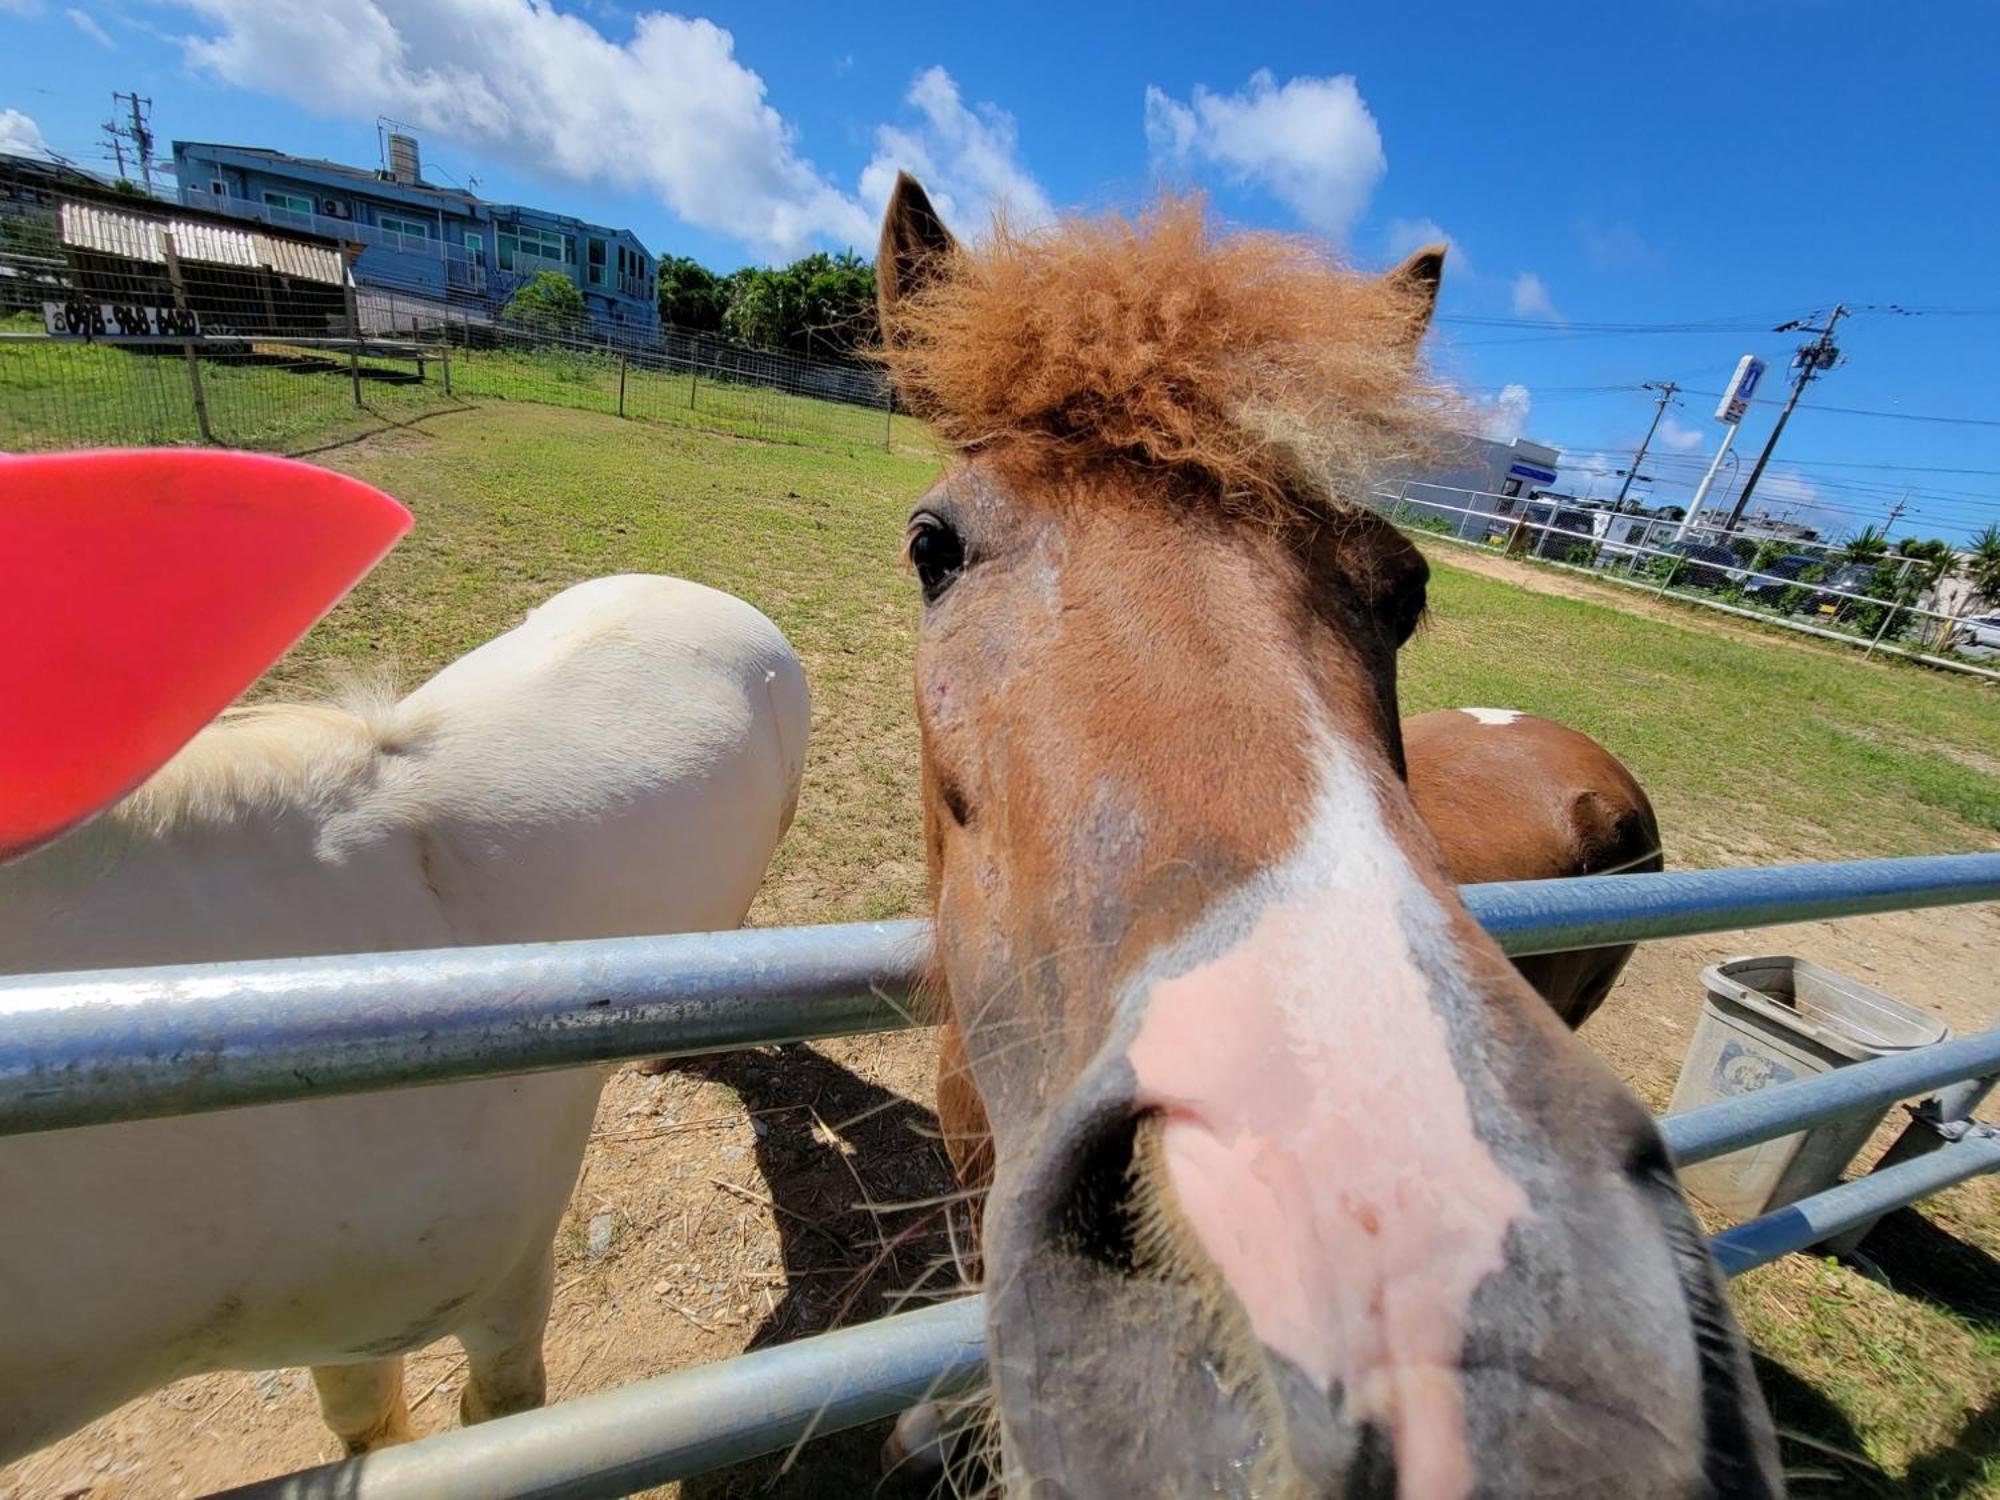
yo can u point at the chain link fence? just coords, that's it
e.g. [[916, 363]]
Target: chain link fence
[[134, 323], [1879, 604]]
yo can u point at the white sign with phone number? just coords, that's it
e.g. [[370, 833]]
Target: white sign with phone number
[[98, 320]]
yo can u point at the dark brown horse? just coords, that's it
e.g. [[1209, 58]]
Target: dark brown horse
[[1299, 1188]]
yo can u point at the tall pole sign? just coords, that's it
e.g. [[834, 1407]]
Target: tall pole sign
[[1735, 402]]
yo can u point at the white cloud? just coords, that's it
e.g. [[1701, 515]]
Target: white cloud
[[672, 111], [1532, 300], [1677, 435], [1404, 236], [87, 24], [1505, 417], [1309, 142], [967, 159], [19, 135], [20, 7], [1617, 247]]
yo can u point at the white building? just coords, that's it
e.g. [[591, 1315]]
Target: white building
[[1471, 479]]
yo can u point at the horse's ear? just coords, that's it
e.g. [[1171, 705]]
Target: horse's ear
[[1417, 279], [915, 247]]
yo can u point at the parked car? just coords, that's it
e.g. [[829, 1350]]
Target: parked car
[[1703, 566], [1847, 579], [1779, 576], [1981, 633]]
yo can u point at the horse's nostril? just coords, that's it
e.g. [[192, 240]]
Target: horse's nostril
[[1096, 1219]]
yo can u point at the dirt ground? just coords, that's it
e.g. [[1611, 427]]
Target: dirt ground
[[761, 1196]]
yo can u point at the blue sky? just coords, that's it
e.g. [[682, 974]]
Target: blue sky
[[1594, 166]]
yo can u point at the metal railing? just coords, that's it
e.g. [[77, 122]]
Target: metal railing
[[1647, 564], [98, 1046], [93, 1047], [687, 1423]]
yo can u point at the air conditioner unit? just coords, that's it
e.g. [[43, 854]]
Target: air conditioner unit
[[333, 208]]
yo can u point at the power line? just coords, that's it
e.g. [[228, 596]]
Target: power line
[[1895, 416]]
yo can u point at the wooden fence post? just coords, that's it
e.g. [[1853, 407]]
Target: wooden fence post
[[444, 333], [173, 260], [621, 382]]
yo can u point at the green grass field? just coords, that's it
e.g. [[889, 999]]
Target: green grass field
[[1753, 750], [289, 398]]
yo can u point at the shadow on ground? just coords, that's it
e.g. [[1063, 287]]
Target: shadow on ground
[[858, 1181], [1822, 1452], [1917, 1258]]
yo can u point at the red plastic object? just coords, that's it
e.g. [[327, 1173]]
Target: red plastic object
[[141, 592]]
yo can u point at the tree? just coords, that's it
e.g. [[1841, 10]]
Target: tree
[[1982, 565], [692, 296], [1932, 562], [1867, 545], [550, 303], [821, 305]]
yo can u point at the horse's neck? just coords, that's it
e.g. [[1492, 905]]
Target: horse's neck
[[260, 839]]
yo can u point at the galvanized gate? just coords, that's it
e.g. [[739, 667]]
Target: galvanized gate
[[80, 1049]]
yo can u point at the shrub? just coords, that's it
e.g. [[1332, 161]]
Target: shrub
[[548, 304]]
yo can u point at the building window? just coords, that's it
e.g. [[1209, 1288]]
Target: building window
[[291, 203], [535, 245], [415, 229], [475, 246], [594, 267], [218, 187]]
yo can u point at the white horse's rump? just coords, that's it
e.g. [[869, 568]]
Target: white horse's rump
[[624, 762]]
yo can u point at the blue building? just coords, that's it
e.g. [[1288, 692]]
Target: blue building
[[437, 244]]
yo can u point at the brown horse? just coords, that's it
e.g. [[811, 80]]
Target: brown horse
[[1299, 1189], [1507, 796], [1510, 796]]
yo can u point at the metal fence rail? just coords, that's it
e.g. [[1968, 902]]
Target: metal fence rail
[[87, 1048], [81, 1048], [687, 1423]]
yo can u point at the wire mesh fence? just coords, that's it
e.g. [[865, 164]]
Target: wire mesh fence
[[139, 323], [1881, 604]]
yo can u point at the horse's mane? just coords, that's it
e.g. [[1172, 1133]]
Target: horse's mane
[[264, 756], [1253, 364]]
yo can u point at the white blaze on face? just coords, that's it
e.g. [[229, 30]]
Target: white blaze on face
[[1318, 1137], [1493, 715]]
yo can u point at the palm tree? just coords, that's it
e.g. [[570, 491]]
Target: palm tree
[[1982, 565], [1867, 545]]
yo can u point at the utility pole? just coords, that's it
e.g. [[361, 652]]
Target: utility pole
[[139, 132], [1895, 514], [1820, 354], [1666, 389], [116, 138]]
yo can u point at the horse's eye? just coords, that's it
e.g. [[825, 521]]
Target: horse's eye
[[937, 552]]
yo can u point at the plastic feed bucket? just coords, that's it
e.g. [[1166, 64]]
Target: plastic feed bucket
[[1767, 1022]]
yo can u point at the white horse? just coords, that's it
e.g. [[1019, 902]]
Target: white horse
[[624, 762]]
